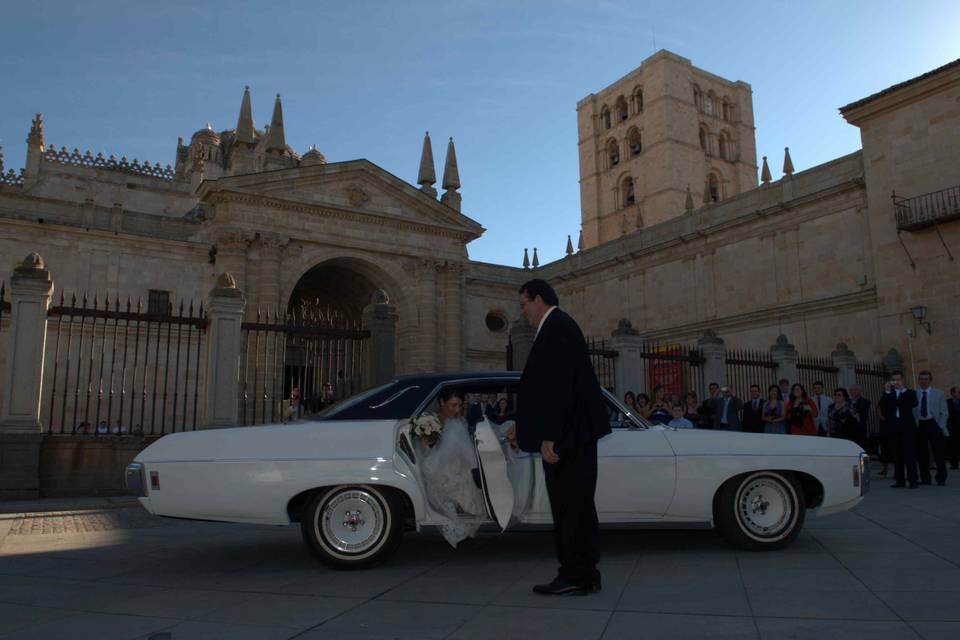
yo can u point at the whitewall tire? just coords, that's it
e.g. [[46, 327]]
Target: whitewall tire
[[352, 526], [763, 510]]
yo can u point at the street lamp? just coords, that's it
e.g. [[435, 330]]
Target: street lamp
[[919, 314]]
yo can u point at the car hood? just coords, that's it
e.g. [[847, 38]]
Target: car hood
[[693, 442], [335, 440]]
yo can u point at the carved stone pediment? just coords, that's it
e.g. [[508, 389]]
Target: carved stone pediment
[[339, 189]]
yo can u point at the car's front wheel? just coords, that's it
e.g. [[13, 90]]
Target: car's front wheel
[[352, 526], [761, 511]]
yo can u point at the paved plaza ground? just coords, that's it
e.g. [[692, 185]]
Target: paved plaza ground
[[105, 569]]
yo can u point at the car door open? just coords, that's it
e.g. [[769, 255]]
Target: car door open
[[507, 480]]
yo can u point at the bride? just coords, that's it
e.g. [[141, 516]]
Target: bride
[[448, 472]]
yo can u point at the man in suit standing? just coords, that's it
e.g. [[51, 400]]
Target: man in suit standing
[[953, 426], [728, 407], [823, 403], [708, 408], [897, 406], [753, 411], [561, 415], [931, 416], [862, 406]]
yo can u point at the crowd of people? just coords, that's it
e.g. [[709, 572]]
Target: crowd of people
[[915, 425]]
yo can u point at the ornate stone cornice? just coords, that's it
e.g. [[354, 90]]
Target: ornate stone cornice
[[366, 217]]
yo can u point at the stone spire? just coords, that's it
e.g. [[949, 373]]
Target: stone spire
[[526, 259], [1, 159], [569, 241], [35, 137], [276, 141], [765, 176], [580, 241], [536, 260], [787, 162], [428, 175], [451, 179], [245, 126], [688, 204]]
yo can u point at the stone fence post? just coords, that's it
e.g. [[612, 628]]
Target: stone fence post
[[714, 352], [785, 355], [628, 365], [380, 319], [521, 337], [224, 337], [846, 363], [20, 432], [893, 361]]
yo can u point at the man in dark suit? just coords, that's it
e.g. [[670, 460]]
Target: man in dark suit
[[753, 411], [561, 415], [953, 427], [897, 406], [708, 408], [727, 410]]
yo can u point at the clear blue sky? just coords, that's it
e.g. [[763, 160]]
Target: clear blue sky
[[365, 79]]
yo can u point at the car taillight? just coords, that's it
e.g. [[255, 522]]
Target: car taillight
[[856, 475], [155, 480]]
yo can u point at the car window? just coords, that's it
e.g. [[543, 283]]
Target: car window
[[620, 417], [346, 409]]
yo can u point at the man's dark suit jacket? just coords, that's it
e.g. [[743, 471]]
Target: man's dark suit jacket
[[753, 419], [862, 406], [560, 397], [889, 403]]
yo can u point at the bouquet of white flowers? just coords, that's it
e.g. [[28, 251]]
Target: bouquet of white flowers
[[428, 428]]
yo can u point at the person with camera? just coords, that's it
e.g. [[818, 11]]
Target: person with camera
[[897, 405]]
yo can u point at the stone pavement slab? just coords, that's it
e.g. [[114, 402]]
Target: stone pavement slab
[[105, 570]]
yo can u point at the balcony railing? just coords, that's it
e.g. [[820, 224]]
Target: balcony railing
[[928, 209]]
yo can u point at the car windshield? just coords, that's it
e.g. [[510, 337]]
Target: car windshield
[[344, 406]]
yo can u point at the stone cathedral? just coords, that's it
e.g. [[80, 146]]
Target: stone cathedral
[[683, 230]]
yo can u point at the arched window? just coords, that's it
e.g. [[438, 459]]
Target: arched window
[[725, 110], [629, 195], [634, 141], [613, 153], [698, 97], [605, 117], [638, 99], [704, 139], [713, 187], [708, 106], [621, 106], [722, 146]]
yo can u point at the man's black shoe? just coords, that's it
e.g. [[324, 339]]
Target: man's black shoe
[[914, 485], [942, 484], [899, 485], [562, 587], [926, 482]]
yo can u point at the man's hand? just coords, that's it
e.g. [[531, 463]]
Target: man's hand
[[547, 452], [511, 434]]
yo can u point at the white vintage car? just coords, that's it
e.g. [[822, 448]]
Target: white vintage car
[[350, 476]]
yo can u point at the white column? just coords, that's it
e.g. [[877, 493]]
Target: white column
[[784, 356], [224, 339], [846, 363], [30, 290], [628, 365], [714, 353], [380, 319]]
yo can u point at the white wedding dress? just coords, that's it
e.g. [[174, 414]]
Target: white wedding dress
[[447, 470]]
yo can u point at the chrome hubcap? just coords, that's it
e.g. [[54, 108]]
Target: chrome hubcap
[[352, 522], [765, 508]]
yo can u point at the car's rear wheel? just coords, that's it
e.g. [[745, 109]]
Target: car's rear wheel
[[761, 511], [352, 526]]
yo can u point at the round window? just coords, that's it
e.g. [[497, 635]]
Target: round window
[[496, 322]]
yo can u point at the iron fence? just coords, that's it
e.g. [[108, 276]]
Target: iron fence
[[118, 370], [747, 367], [603, 360], [871, 376], [812, 369], [675, 366], [310, 351]]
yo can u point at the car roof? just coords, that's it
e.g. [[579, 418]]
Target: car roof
[[438, 377]]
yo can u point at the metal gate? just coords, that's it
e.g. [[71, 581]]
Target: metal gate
[[319, 354]]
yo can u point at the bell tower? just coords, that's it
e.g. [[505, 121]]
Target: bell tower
[[665, 129]]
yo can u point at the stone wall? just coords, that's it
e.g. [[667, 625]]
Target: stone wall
[[86, 465]]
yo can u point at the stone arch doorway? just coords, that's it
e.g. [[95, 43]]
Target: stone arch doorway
[[338, 340]]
